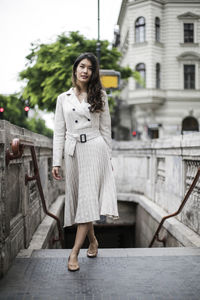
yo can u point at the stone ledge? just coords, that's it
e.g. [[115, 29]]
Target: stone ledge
[[179, 142], [182, 233]]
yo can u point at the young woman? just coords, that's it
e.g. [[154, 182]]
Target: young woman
[[83, 129]]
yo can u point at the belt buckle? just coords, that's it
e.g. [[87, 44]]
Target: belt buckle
[[83, 138]]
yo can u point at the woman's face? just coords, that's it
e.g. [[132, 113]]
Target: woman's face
[[84, 71]]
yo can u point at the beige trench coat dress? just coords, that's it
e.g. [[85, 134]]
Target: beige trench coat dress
[[86, 139]]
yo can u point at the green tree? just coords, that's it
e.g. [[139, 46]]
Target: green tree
[[37, 125], [14, 113], [49, 67], [13, 109]]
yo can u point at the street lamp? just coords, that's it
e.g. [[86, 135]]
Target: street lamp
[[98, 49], [110, 79]]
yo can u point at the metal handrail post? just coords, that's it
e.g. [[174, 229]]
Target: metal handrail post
[[156, 235], [17, 151]]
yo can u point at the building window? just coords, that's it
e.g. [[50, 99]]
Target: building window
[[158, 76], [157, 29], [188, 33], [190, 124], [140, 68], [140, 30], [153, 133], [189, 76]]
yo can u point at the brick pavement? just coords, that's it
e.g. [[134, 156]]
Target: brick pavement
[[116, 274]]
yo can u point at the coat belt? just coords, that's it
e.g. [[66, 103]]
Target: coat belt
[[73, 138]]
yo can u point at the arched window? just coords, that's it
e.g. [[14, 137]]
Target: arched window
[[190, 124], [140, 30], [157, 29], [141, 69], [158, 76]]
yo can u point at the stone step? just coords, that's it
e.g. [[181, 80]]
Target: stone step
[[114, 252], [116, 274]]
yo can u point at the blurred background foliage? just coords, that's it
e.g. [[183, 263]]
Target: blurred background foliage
[[48, 73], [14, 112], [49, 67]]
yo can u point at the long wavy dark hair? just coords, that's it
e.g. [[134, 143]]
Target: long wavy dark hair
[[94, 88]]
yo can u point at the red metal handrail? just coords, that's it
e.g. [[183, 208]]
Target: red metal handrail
[[156, 235], [18, 146]]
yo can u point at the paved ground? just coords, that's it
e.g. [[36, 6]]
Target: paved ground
[[117, 274]]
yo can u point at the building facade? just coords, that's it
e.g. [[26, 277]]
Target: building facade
[[160, 39]]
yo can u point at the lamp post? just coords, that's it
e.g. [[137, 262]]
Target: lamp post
[[98, 49]]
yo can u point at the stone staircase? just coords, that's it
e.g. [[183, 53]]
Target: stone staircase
[[117, 274]]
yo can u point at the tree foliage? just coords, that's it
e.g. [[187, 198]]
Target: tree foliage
[[14, 113], [13, 109], [48, 73], [49, 67], [37, 125]]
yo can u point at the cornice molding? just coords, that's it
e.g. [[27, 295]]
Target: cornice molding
[[182, 1], [188, 15], [189, 55], [131, 3]]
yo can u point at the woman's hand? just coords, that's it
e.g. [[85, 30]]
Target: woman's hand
[[55, 173]]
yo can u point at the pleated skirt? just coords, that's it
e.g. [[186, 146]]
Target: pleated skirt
[[90, 189]]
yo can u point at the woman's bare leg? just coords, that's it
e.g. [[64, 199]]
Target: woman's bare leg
[[92, 239], [82, 230], [91, 234]]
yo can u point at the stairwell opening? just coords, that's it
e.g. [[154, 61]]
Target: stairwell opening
[[111, 233], [134, 229]]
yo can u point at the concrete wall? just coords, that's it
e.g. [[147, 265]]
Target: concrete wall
[[156, 175], [146, 226], [20, 206]]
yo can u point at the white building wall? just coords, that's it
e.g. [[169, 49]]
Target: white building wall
[[173, 37], [140, 52], [170, 104], [157, 49]]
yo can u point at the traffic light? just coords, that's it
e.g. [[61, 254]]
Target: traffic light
[[27, 107], [134, 133], [1, 112]]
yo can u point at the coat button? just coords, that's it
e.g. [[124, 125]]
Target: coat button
[[76, 121], [73, 109], [88, 119]]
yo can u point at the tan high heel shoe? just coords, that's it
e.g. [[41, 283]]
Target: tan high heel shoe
[[93, 253], [72, 267]]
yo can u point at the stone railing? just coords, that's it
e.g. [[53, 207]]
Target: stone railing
[[157, 174], [20, 206]]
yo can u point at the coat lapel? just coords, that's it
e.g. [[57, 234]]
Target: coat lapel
[[81, 108]]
